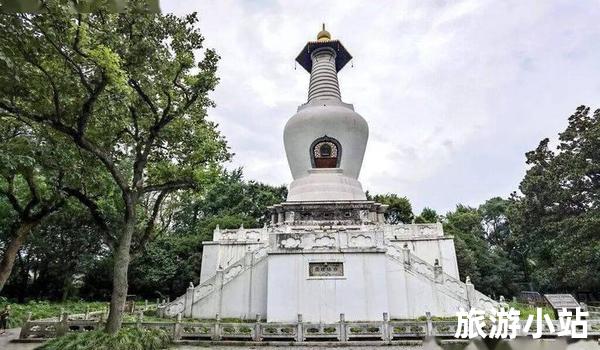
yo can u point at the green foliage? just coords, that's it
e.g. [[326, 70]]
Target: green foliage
[[490, 268], [556, 219], [30, 6], [125, 339], [169, 264], [59, 252], [526, 310], [129, 92], [399, 208], [232, 200], [44, 309], [427, 216]]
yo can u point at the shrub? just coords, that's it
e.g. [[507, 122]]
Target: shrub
[[41, 309], [125, 339]]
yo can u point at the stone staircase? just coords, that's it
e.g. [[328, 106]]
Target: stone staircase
[[463, 292], [199, 293]]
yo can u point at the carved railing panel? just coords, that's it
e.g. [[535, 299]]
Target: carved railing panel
[[278, 331], [197, 330], [444, 328], [320, 330], [407, 329], [373, 330], [237, 330]]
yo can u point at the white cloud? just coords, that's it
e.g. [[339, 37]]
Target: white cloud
[[455, 92]]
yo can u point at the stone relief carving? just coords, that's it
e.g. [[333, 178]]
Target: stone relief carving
[[361, 241], [290, 243], [427, 230], [232, 272], [177, 306], [394, 252], [202, 290], [324, 242], [260, 253]]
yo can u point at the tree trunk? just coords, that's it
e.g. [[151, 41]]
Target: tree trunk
[[20, 231], [120, 268]]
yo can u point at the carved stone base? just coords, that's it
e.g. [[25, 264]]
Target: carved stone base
[[328, 213]]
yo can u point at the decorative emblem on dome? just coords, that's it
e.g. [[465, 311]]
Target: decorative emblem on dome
[[325, 153], [325, 149]]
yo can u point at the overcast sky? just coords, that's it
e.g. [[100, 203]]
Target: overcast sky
[[455, 92]]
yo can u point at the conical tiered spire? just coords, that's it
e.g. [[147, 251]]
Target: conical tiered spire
[[323, 59]]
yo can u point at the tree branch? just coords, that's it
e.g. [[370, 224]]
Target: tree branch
[[79, 139], [86, 110], [152, 220], [170, 186], [12, 199], [35, 196], [94, 210], [76, 68], [136, 86]]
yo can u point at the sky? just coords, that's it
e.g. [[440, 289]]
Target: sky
[[455, 92]]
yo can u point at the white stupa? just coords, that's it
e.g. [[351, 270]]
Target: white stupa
[[328, 250]]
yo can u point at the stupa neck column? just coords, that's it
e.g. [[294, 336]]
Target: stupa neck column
[[323, 76]]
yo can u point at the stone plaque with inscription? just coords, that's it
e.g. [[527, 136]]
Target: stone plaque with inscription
[[559, 301], [325, 269]]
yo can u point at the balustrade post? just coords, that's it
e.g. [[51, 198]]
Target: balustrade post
[[63, 324], [406, 254], [300, 329], [139, 319], [429, 330], [386, 327], [470, 293], [146, 305], [257, 326], [177, 328], [217, 335], [189, 300], [25, 329], [219, 288], [86, 316], [438, 272], [343, 331]]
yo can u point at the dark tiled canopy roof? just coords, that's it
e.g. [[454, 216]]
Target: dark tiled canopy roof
[[342, 57]]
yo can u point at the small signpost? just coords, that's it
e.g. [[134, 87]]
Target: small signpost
[[562, 301]]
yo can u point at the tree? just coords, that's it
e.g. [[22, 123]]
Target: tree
[[427, 216], [29, 183], [125, 90], [556, 218], [229, 203], [399, 208], [496, 224], [230, 195], [490, 268]]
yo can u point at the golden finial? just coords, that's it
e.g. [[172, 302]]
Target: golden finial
[[323, 35]]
